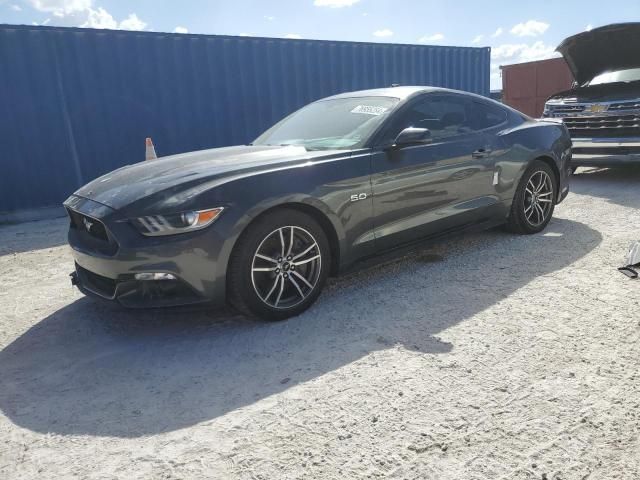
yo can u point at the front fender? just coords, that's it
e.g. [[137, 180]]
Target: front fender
[[324, 188]]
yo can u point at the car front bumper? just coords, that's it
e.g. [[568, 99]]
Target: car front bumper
[[605, 152], [106, 267]]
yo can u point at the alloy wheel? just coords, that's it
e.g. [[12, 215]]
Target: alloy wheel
[[286, 267], [538, 200]]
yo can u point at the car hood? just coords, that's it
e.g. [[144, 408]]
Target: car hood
[[173, 176], [608, 92], [613, 47]]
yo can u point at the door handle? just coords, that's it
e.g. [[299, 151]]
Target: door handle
[[481, 153]]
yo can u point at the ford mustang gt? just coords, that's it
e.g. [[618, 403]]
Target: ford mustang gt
[[262, 226]]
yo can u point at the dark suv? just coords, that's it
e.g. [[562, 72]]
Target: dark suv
[[602, 110]]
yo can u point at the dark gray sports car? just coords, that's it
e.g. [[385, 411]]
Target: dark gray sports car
[[263, 225]]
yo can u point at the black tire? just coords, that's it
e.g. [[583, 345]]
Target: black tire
[[262, 241], [521, 219]]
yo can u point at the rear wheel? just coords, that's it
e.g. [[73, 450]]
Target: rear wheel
[[534, 201], [279, 266]]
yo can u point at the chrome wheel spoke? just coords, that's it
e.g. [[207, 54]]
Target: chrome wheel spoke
[[268, 259], [273, 288], [528, 212], [290, 242], [281, 240], [544, 200], [302, 262], [281, 290], [295, 284], [304, 280], [303, 253], [264, 269]]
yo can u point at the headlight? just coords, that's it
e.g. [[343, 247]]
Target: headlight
[[157, 225]]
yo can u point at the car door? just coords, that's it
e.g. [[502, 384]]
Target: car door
[[422, 190]]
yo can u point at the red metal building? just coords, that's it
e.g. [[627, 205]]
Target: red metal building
[[526, 86]]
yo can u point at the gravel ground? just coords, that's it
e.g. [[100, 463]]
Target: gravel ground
[[491, 357]]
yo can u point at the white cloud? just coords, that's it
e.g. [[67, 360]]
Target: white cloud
[[538, 51], [477, 39], [271, 18], [180, 29], [293, 35], [41, 23], [100, 18], [61, 8], [82, 13], [132, 22], [335, 3], [385, 32], [522, 52], [531, 28], [507, 51], [588, 28], [16, 8], [497, 33], [436, 37]]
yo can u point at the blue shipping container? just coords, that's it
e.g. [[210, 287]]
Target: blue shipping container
[[77, 103]]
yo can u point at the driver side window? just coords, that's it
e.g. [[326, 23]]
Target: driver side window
[[444, 115]]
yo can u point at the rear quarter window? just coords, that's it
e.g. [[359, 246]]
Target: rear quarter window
[[486, 115]]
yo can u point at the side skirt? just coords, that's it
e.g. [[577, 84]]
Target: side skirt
[[400, 251]]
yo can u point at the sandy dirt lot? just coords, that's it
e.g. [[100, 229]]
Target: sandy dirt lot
[[492, 356]]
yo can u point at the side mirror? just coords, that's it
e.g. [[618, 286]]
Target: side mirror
[[413, 136]]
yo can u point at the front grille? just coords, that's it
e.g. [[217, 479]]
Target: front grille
[[624, 106], [613, 126], [98, 284], [91, 234], [560, 110], [93, 227]]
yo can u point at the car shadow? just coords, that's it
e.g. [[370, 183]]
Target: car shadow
[[93, 369], [618, 185]]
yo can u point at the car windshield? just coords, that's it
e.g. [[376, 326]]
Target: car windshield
[[627, 75], [342, 123]]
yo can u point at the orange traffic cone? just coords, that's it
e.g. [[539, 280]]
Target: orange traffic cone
[[150, 151]]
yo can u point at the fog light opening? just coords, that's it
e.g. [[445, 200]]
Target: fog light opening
[[154, 276]]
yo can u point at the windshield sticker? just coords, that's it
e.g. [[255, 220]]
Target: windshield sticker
[[369, 110]]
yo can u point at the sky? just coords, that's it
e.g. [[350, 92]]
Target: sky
[[516, 30]]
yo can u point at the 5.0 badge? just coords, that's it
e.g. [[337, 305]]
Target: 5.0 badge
[[358, 196]]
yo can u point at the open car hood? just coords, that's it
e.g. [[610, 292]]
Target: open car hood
[[613, 47]]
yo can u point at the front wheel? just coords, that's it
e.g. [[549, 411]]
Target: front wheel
[[534, 201], [279, 266]]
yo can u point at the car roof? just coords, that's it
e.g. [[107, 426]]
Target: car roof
[[401, 92]]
